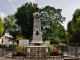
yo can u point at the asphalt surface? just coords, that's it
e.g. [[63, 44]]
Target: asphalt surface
[[3, 58]]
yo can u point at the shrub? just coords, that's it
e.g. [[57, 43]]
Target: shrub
[[18, 47], [53, 50], [20, 51]]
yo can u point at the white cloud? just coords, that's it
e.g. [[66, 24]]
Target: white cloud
[[2, 15], [11, 0], [33, 1], [13, 5]]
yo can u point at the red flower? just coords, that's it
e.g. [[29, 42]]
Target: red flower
[[20, 51], [55, 50]]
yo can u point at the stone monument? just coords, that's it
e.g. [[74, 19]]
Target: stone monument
[[37, 34], [37, 43]]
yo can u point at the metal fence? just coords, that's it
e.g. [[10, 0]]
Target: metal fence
[[73, 52], [69, 52], [38, 53], [5, 50]]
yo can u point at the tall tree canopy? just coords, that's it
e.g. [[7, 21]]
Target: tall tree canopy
[[74, 27], [51, 23], [11, 26], [24, 16], [1, 27], [21, 23]]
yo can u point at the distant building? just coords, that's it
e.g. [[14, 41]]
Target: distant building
[[5, 39]]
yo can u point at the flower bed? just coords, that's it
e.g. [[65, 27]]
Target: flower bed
[[54, 51], [19, 52]]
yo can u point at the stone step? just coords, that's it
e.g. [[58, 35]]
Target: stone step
[[37, 49], [71, 59], [40, 58]]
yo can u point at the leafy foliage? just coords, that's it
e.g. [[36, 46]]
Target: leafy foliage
[[51, 23], [1, 27], [11, 26], [24, 16], [74, 27]]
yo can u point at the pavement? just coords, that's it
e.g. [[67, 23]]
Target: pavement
[[9, 57], [4, 58]]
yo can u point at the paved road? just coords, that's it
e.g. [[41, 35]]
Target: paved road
[[3, 58], [31, 59]]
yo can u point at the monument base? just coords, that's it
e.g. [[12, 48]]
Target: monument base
[[36, 42], [37, 49]]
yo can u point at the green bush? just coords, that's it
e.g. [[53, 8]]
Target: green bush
[[50, 47], [25, 48], [62, 44], [18, 47], [12, 44]]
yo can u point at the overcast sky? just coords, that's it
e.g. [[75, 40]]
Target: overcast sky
[[68, 7]]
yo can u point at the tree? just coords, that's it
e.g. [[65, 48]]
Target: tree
[[51, 22], [74, 27], [1, 27], [24, 16], [50, 17], [11, 26]]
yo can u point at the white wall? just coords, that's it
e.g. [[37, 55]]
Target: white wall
[[24, 43], [47, 43]]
